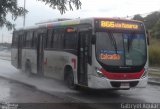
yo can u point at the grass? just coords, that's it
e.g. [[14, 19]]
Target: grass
[[154, 52], [154, 57], [154, 74]]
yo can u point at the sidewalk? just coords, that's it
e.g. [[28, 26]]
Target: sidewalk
[[154, 81], [5, 55], [154, 76]]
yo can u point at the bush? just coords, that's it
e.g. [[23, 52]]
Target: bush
[[154, 53]]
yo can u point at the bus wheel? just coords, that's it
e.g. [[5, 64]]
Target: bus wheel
[[70, 81], [28, 68]]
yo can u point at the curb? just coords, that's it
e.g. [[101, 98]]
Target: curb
[[5, 58], [154, 82], [16, 81]]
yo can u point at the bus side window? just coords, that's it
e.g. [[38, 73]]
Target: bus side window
[[29, 39], [58, 39], [34, 40], [55, 40], [24, 40], [49, 38], [15, 40], [70, 40], [61, 39]]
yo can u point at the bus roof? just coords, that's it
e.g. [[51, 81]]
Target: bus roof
[[73, 22]]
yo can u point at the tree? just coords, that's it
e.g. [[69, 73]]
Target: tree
[[10, 6], [156, 30], [61, 5], [151, 19], [138, 17]]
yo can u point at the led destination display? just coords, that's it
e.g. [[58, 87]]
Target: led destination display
[[112, 24], [117, 24]]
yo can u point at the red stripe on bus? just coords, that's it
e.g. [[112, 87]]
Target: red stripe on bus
[[46, 61], [74, 63], [122, 76]]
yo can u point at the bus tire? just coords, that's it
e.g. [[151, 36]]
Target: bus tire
[[28, 68], [69, 80]]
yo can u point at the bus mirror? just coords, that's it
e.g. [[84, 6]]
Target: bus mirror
[[148, 37], [93, 39]]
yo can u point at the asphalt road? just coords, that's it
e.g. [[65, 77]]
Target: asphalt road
[[14, 95], [13, 92], [108, 99]]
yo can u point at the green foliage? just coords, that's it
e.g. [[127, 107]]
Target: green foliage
[[156, 30], [151, 20], [138, 17], [152, 23], [9, 6], [61, 5], [154, 53]]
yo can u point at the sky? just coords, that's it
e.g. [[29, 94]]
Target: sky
[[39, 12]]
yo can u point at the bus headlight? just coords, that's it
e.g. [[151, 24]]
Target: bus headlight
[[99, 72]]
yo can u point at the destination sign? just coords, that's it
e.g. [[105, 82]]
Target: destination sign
[[119, 25], [113, 24], [109, 56]]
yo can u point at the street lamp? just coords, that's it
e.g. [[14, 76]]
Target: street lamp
[[24, 20]]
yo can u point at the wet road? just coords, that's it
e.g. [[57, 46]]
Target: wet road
[[14, 92], [150, 94], [20, 93], [15, 95]]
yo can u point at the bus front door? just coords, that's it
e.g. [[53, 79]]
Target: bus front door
[[40, 53], [82, 58]]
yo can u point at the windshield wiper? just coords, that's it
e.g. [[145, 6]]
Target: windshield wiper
[[113, 41], [129, 42]]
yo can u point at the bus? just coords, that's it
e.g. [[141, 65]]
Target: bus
[[98, 53]]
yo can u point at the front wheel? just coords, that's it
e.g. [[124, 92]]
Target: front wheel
[[70, 81]]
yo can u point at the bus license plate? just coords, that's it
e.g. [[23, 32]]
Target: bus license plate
[[124, 85]]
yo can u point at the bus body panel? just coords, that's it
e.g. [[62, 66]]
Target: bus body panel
[[55, 62], [14, 57], [31, 55]]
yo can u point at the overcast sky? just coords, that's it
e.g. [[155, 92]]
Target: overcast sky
[[38, 11]]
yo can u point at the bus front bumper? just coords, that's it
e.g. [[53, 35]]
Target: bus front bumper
[[104, 83]]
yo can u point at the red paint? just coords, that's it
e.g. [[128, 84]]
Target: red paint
[[122, 75], [74, 63], [46, 61], [49, 25]]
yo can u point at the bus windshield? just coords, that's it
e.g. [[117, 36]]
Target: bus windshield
[[121, 49]]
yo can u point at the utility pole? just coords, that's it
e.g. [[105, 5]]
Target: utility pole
[[24, 20], [2, 38]]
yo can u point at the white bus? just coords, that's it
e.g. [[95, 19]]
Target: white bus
[[99, 53]]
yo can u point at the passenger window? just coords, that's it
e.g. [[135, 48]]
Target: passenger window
[[29, 37], [70, 40], [15, 40], [58, 40], [34, 40], [49, 40]]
